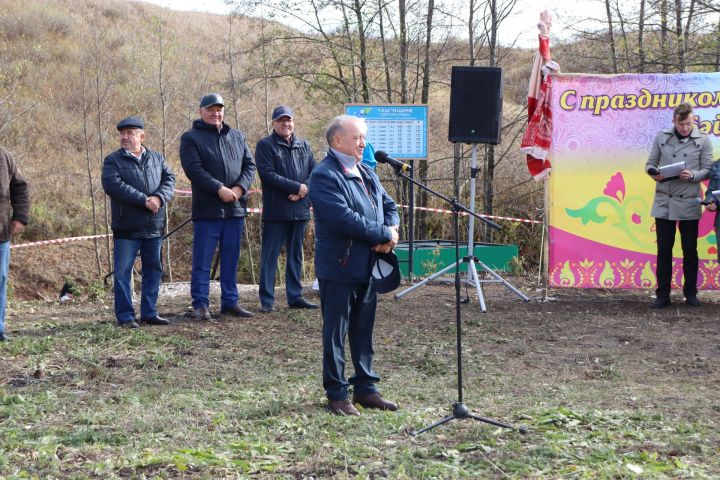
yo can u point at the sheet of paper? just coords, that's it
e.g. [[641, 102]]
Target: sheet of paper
[[672, 170]]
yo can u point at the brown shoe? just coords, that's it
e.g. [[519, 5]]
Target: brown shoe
[[236, 311], [343, 407], [375, 400], [202, 313]]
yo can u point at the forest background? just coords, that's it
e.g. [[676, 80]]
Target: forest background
[[70, 70]]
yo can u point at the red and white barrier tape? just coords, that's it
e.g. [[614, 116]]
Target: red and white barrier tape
[[59, 240], [188, 193], [86, 237], [249, 210], [440, 210]]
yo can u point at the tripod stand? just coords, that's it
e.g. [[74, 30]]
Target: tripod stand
[[460, 411], [472, 261]]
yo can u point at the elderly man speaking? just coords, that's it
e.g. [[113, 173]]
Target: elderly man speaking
[[354, 216]]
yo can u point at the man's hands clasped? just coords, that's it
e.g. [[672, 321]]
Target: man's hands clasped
[[387, 247], [230, 195]]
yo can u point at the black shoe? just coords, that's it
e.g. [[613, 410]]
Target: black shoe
[[202, 314], [264, 308], [693, 301], [302, 303], [661, 302], [4, 338], [156, 321], [130, 324], [375, 400], [236, 311]]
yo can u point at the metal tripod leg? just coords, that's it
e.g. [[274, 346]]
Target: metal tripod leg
[[430, 427], [460, 411], [473, 278], [429, 279], [499, 279]]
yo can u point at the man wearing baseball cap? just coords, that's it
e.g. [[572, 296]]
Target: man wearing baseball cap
[[139, 183], [220, 166], [284, 163]]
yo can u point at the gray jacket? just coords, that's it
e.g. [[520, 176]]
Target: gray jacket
[[677, 199]]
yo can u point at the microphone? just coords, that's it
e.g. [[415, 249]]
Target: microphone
[[713, 198], [382, 157], [652, 171]]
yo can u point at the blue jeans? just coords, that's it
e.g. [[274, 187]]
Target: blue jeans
[[4, 264], [206, 236], [348, 310], [124, 255], [274, 234]]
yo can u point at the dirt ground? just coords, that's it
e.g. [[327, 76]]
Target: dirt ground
[[586, 350]]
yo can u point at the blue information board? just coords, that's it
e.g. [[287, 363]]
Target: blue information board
[[398, 129]]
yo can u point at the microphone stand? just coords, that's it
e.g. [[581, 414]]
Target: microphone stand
[[459, 410]]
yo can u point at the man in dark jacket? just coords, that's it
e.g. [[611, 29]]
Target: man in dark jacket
[[354, 216], [14, 209], [284, 163], [139, 183], [218, 162]]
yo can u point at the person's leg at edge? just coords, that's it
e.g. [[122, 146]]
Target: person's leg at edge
[[273, 235], [294, 251], [362, 322], [335, 301], [688, 240], [230, 241], [151, 276], [665, 234], [4, 267], [124, 254], [205, 238]]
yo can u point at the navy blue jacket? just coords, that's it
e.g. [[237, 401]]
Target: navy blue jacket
[[282, 168], [349, 220], [129, 182], [211, 159]]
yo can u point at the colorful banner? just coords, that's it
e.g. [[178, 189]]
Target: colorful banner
[[601, 234]]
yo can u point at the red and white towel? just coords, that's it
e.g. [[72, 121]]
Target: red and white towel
[[538, 135]]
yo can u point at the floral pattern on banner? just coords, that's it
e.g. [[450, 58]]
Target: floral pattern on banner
[[600, 231], [627, 274]]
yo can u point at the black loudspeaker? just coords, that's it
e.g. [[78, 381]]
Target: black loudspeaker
[[476, 97]]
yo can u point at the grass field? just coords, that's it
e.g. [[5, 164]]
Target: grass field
[[606, 387]]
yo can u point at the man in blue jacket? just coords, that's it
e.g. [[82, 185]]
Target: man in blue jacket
[[354, 216], [139, 183], [284, 163], [218, 162]]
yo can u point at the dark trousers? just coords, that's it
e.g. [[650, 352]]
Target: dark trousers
[[207, 234], [665, 233], [274, 235], [124, 253], [348, 310]]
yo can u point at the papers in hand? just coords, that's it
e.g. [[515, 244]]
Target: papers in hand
[[714, 196], [672, 171]]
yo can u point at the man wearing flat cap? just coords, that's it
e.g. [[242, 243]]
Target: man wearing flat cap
[[220, 166], [284, 163], [139, 183]]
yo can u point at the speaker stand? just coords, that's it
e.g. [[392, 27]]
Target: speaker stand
[[472, 261]]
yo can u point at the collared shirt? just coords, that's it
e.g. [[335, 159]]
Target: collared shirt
[[347, 162], [142, 152]]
